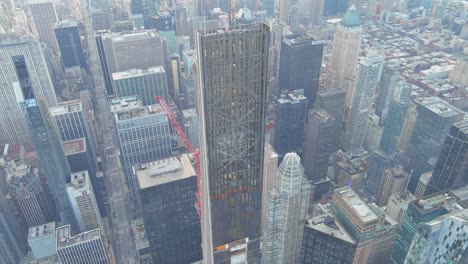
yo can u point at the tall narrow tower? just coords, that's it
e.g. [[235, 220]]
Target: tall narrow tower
[[233, 66], [345, 53]]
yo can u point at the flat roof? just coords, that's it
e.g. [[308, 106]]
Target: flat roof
[[138, 228], [134, 36], [74, 146], [66, 23], [440, 107], [327, 224], [360, 208], [66, 107], [323, 116], [124, 103], [133, 73], [40, 231], [137, 112], [163, 171], [64, 238]]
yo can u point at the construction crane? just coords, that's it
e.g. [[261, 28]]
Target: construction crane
[[188, 145]]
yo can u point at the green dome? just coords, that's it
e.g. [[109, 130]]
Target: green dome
[[351, 18]]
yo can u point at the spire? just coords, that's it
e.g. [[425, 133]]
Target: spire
[[351, 18]]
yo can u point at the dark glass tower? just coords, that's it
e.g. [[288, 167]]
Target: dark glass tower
[[69, 42], [233, 77], [45, 138], [301, 61], [451, 168]]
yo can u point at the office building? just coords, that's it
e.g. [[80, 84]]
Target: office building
[[42, 240], [147, 8], [28, 197], [72, 120], [13, 124], [231, 203], [435, 117], [138, 126], [398, 204], [442, 240], [394, 180], [332, 101], [291, 114], [117, 53], [316, 9], [270, 179], [283, 8], [373, 133], [378, 163], [191, 122], [452, 165], [368, 74], [419, 212], [408, 127], [83, 201], [341, 68], [388, 82], [85, 247], [422, 184], [44, 17], [45, 137], [321, 140], [325, 240], [300, 64], [168, 194], [144, 83], [286, 213], [395, 118], [69, 43]]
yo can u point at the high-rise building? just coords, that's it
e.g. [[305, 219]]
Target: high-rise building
[[286, 213], [168, 193], [232, 139], [332, 101], [283, 8], [147, 8], [451, 168], [378, 163], [373, 133], [388, 82], [316, 12], [45, 137], [398, 204], [368, 74], [419, 212], [291, 115], [395, 118], [28, 197], [14, 48], [71, 120], [270, 179], [69, 43], [441, 240], [394, 180], [44, 17], [42, 240], [138, 126], [325, 240], [435, 117], [300, 64], [85, 247], [144, 83], [422, 184], [83, 201], [345, 53], [321, 140], [335, 7], [130, 50], [192, 126]]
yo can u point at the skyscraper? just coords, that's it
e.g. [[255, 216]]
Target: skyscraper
[[368, 74], [291, 115], [70, 117], [69, 42], [139, 126], [45, 18], [394, 180], [345, 53], [284, 11], [13, 125], [83, 202], [388, 82], [28, 197], [321, 140], [42, 240], [232, 115], [270, 179], [451, 168], [144, 83], [435, 117], [168, 193], [286, 213], [300, 64], [45, 137], [85, 247]]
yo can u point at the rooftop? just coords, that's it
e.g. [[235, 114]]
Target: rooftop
[[351, 18], [124, 103], [133, 73], [462, 126], [41, 231], [402, 197], [323, 116], [66, 23], [360, 208], [327, 224], [134, 36], [138, 228], [64, 238], [74, 146], [437, 200], [79, 180], [440, 107], [66, 107], [137, 112], [163, 171], [302, 39], [292, 97]]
